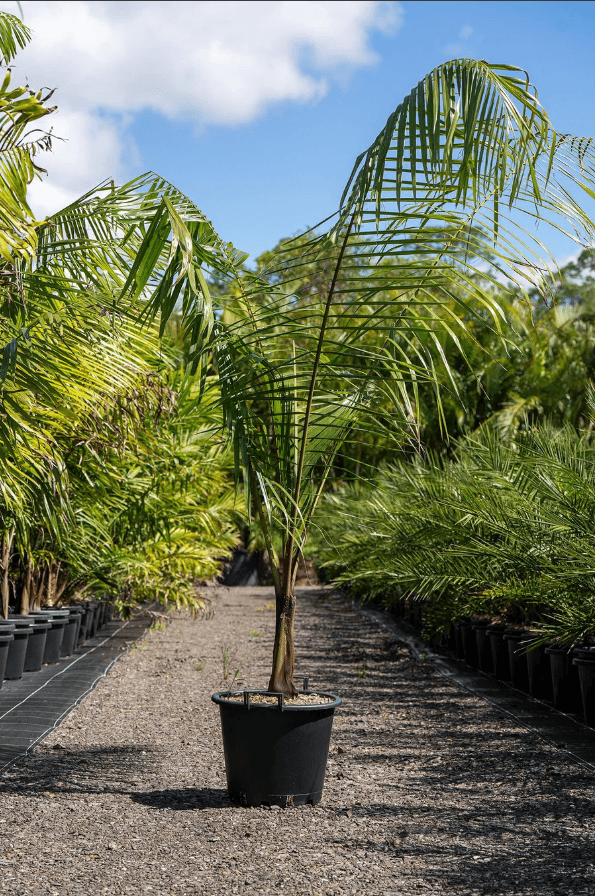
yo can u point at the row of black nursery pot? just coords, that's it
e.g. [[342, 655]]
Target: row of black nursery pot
[[42, 637], [562, 676]]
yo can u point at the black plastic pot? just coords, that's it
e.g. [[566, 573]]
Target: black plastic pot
[[53, 644], [566, 685], [93, 620], [275, 754], [460, 627], [469, 644], [585, 661], [539, 669], [6, 639], [70, 633], [102, 613], [483, 645], [84, 624], [37, 639], [500, 657], [517, 654], [17, 650], [78, 613], [41, 628]]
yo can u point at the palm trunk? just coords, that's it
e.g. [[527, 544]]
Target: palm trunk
[[61, 586], [53, 573], [284, 650], [5, 561], [40, 579], [281, 681], [26, 590]]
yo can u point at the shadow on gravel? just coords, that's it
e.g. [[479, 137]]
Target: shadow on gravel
[[189, 798], [58, 769]]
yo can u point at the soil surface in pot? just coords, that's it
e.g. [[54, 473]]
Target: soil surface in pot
[[429, 789], [300, 700]]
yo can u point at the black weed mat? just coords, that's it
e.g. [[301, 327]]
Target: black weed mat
[[32, 707], [563, 731]]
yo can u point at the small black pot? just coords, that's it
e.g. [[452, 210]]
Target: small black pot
[[585, 661], [275, 754], [483, 645], [70, 633], [55, 635], [102, 613], [469, 644], [517, 654], [78, 613], [566, 685], [539, 669], [500, 657], [460, 626], [17, 650], [39, 629], [93, 619], [84, 623], [6, 639]]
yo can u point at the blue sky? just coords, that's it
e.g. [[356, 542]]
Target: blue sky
[[265, 145], [287, 170]]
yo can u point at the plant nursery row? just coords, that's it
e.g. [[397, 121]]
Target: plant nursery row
[[44, 637], [551, 672]]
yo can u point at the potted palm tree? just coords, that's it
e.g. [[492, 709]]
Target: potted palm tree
[[431, 221]]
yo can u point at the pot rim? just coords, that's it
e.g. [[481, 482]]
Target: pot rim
[[219, 697]]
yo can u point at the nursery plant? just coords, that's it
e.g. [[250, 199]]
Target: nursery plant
[[436, 221], [502, 530]]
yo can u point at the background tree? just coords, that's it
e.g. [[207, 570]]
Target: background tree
[[90, 413]]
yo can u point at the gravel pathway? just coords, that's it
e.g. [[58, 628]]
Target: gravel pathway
[[429, 790]]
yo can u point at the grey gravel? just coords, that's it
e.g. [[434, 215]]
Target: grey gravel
[[428, 789]]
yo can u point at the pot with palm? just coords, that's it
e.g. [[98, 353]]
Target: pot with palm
[[305, 369]]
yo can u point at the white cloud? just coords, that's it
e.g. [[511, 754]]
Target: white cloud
[[458, 48], [90, 148], [208, 62]]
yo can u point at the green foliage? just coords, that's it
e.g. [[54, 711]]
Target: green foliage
[[340, 336], [109, 477], [154, 506], [504, 529]]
